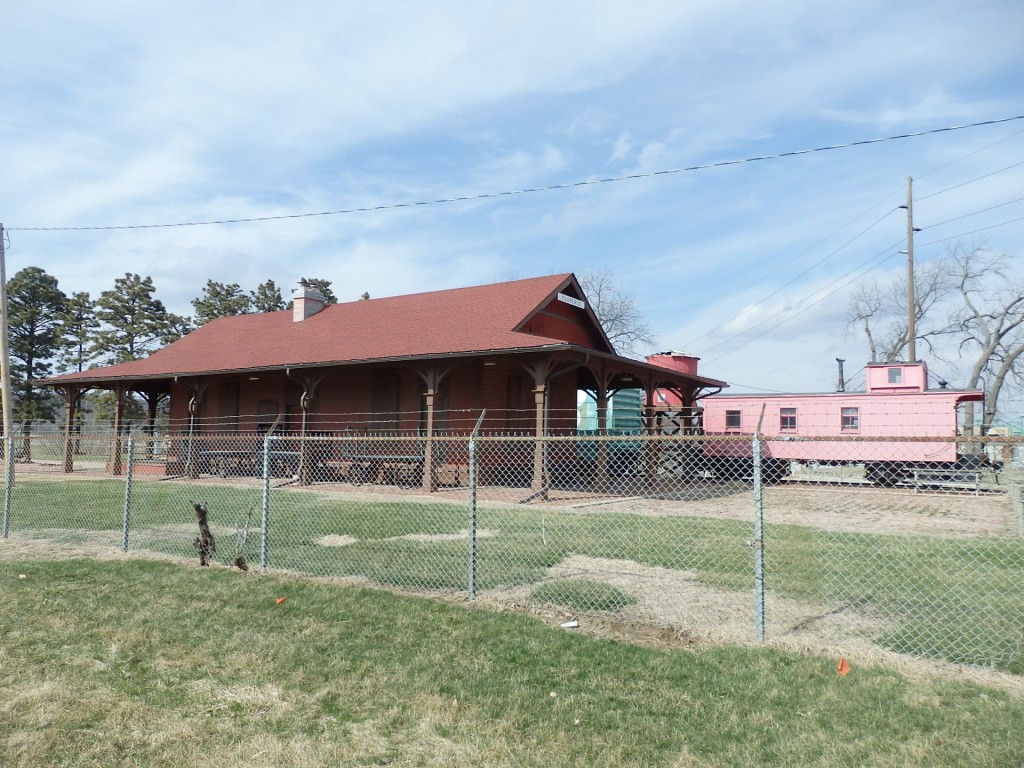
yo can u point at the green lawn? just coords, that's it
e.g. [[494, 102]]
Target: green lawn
[[142, 663], [955, 599]]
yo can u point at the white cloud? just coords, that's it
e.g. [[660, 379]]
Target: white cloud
[[130, 113], [622, 148]]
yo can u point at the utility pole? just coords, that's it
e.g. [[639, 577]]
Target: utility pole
[[5, 349], [911, 301]]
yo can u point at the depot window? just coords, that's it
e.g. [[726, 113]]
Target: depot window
[[787, 418], [850, 419], [732, 420]]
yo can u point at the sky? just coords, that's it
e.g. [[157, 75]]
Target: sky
[[122, 114]]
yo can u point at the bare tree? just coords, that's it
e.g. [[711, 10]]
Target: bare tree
[[989, 324], [623, 322], [881, 311], [971, 301]]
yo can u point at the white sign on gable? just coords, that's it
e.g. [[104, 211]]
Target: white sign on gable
[[573, 301]]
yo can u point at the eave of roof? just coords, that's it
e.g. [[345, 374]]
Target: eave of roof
[[967, 394], [661, 374]]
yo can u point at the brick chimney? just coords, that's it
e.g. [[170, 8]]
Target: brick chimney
[[677, 361], [306, 301]]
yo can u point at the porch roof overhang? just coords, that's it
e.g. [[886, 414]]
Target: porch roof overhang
[[623, 372]]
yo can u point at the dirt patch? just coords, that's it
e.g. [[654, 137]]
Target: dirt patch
[[847, 509], [483, 533], [72, 544], [335, 540], [705, 614], [674, 610]]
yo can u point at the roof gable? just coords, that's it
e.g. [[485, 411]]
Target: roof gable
[[567, 314], [501, 316]]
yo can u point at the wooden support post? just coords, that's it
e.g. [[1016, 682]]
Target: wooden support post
[[197, 390], [432, 378], [650, 447], [540, 369], [71, 398], [601, 459], [429, 472], [539, 392], [152, 399], [309, 384], [116, 464]]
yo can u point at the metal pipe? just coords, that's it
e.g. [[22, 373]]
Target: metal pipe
[[265, 522], [5, 354], [8, 443], [758, 543], [472, 505], [128, 493]]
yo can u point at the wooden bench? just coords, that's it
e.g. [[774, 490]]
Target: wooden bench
[[249, 462], [386, 461]]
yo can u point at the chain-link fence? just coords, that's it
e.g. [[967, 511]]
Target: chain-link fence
[[820, 543]]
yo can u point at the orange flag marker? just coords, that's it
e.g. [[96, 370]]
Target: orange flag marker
[[280, 600], [843, 669]]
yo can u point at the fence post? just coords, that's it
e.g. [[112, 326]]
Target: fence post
[[128, 493], [1017, 502], [472, 505], [758, 542], [265, 524], [9, 483]]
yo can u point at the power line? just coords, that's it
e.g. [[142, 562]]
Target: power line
[[975, 213], [970, 181], [956, 186], [809, 269], [881, 258], [531, 190], [807, 306], [798, 256], [972, 232], [969, 154], [709, 332], [758, 389]]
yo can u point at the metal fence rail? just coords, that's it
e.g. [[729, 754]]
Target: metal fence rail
[[719, 539]]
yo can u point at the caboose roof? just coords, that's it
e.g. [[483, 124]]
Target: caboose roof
[[968, 394]]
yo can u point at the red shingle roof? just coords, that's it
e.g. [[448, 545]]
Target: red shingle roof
[[461, 320]]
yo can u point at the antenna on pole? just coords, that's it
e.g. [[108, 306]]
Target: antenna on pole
[[5, 349], [911, 300]]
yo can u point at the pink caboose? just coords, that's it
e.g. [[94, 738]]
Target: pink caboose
[[897, 407]]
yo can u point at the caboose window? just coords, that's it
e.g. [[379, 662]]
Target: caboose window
[[895, 375], [732, 420], [787, 418], [850, 419]]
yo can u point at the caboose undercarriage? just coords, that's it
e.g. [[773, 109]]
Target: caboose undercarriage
[[967, 472]]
